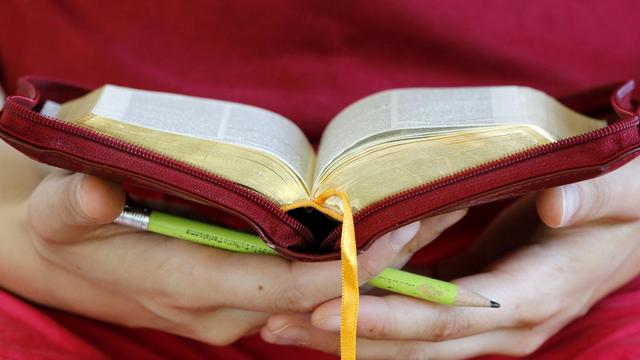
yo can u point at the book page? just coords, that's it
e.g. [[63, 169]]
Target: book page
[[210, 119], [405, 113], [372, 173]]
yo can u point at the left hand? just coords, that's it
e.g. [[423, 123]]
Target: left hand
[[543, 275]]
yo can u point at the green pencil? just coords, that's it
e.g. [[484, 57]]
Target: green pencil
[[389, 279]]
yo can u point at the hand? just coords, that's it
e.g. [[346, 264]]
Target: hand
[[60, 249], [544, 277]]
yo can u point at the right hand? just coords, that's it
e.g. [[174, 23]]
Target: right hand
[[60, 249]]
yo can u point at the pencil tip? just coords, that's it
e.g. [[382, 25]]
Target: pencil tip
[[494, 304]]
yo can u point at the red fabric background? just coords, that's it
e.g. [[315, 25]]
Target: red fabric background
[[307, 60]]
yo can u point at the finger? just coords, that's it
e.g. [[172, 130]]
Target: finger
[[549, 279], [271, 283], [512, 228], [400, 317], [431, 228], [527, 296], [395, 247], [504, 342], [213, 326], [187, 275], [66, 206], [300, 286], [297, 330], [615, 195]]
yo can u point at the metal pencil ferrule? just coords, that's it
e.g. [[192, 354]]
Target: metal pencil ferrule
[[134, 217]]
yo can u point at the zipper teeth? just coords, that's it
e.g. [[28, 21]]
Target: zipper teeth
[[483, 168], [503, 161], [158, 158], [191, 170]]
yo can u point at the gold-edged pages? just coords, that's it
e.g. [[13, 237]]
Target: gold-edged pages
[[381, 145]]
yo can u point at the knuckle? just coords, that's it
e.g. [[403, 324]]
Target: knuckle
[[447, 325], [599, 195], [183, 329], [596, 196], [50, 251], [288, 300], [368, 269], [536, 315], [167, 296], [166, 318], [291, 298], [375, 327], [39, 236], [169, 289], [190, 324], [45, 249]]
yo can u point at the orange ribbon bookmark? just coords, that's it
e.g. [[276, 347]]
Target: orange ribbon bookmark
[[350, 286]]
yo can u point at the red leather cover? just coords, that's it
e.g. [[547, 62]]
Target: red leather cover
[[67, 146]]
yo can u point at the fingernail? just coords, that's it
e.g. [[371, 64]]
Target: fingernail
[[290, 335], [400, 237], [328, 323], [570, 202]]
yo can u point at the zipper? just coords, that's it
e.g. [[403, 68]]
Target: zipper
[[483, 168], [150, 155], [270, 206]]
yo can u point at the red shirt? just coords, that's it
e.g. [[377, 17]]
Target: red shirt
[[308, 60]]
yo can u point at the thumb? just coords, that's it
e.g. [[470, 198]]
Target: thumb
[[613, 196], [65, 206]]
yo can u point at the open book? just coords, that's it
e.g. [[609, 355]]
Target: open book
[[381, 145]]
